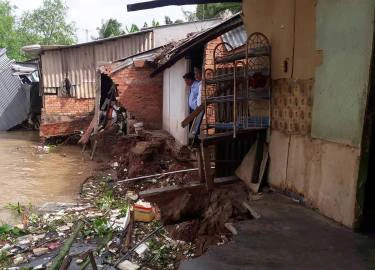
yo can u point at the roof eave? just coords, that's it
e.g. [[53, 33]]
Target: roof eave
[[205, 37]]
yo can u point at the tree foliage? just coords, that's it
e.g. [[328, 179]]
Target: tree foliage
[[46, 25], [7, 29], [211, 11], [155, 23], [110, 28], [189, 16], [133, 28], [168, 20]]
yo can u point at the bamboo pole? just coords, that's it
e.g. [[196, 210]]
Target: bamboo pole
[[66, 247]]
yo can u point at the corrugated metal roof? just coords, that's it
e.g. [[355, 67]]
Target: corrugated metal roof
[[79, 63], [172, 55], [13, 103], [145, 56], [236, 37]]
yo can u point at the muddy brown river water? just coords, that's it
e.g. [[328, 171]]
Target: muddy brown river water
[[29, 174]]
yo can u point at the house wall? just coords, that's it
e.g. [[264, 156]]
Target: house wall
[[140, 94], [64, 116], [79, 63], [175, 101], [347, 49], [175, 32], [319, 101]]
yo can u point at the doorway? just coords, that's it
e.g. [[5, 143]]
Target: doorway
[[366, 179]]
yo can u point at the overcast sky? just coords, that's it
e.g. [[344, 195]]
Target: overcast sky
[[89, 14]]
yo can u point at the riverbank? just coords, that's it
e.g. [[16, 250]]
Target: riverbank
[[33, 173], [181, 223]]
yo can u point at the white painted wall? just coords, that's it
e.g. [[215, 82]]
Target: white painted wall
[[174, 32], [175, 101]]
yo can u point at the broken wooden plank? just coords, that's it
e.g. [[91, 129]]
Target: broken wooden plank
[[94, 150], [156, 175], [226, 179], [200, 165], [169, 189], [208, 175], [190, 118], [129, 233]]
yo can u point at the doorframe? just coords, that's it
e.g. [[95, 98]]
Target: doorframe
[[369, 120]]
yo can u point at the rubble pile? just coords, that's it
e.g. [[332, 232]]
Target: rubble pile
[[113, 227]]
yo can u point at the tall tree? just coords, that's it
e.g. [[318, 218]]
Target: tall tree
[[190, 16], [110, 28], [47, 24], [209, 11], [167, 20], [133, 28], [8, 37], [155, 23]]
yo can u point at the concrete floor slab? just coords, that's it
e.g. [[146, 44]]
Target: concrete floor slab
[[288, 236]]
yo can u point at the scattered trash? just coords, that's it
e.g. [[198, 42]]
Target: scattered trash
[[128, 265], [141, 249], [40, 251], [143, 211], [18, 260]]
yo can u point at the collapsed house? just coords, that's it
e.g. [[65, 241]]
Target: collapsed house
[[19, 92], [137, 93], [69, 73], [320, 137]]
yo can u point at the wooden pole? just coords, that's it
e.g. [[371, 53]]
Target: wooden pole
[[156, 175]]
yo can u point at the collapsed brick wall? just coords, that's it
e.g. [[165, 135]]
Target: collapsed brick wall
[[141, 95], [65, 115]]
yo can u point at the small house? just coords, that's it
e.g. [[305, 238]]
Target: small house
[[69, 73]]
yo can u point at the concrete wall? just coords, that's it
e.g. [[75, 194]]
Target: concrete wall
[[175, 101], [326, 42], [175, 32], [344, 33], [324, 173]]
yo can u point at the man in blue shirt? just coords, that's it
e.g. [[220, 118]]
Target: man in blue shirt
[[193, 87]]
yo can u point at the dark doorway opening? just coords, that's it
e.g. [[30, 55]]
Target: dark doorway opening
[[366, 179], [105, 89]]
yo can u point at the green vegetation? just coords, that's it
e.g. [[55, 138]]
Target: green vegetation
[[45, 25], [16, 208], [5, 260], [211, 11], [110, 28], [8, 230]]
